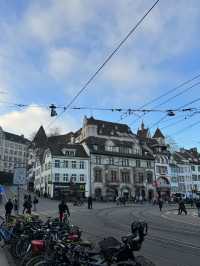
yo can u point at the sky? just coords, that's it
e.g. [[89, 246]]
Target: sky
[[49, 49]]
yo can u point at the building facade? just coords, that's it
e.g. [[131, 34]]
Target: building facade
[[119, 166], [62, 171], [13, 151]]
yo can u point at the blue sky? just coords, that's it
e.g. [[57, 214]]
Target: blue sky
[[48, 50]]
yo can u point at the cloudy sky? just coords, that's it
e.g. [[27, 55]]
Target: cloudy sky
[[48, 50]]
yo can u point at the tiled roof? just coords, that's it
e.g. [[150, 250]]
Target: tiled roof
[[56, 149], [40, 138], [158, 134], [100, 142], [66, 138], [109, 128], [16, 138], [142, 133]]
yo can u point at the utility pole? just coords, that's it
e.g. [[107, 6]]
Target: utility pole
[[18, 198]]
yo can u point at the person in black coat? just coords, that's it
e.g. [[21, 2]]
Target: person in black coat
[[89, 202], [8, 209], [62, 207]]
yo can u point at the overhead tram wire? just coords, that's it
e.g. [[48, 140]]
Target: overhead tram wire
[[106, 61], [182, 118], [186, 128], [165, 94], [162, 118]]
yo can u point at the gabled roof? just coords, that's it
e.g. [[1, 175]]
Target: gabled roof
[[61, 139], [143, 133], [56, 149], [100, 143], [158, 134], [40, 138], [16, 138], [109, 128]]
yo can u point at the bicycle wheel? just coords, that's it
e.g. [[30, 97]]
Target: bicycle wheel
[[22, 247], [32, 261]]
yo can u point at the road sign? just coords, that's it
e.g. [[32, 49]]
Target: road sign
[[19, 176]]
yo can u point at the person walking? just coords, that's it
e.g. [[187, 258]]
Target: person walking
[[62, 207], [160, 203], [35, 202], [8, 209], [89, 202], [182, 207]]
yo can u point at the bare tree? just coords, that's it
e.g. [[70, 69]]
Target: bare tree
[[54, 132], [172, 145]]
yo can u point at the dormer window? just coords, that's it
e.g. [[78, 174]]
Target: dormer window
[[95, 147], [67, 152]]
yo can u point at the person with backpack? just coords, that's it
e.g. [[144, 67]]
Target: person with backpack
[[62, 207]]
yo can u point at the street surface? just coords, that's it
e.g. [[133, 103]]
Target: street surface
[[172, 241]]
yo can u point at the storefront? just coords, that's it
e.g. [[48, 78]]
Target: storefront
[[68, 191]]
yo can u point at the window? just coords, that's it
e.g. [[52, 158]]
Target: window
[[193, 168], [111, 160], [148, 164], [97, 175], [73, 178], [137, 163], [198, 168], [73, 164], [49, 165], [57, 163], [57, 177], [98, 159], [113, 176], [82, 164], [141, 178], [82, 178], [149, 178], [173, 179], [125, 177], [65, 164], [125, 162], [95, 147], [194, 177], [198, 177], [65, 177]]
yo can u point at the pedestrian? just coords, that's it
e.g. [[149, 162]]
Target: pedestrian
[[29, 198], [35, 202], [160, 203], [89, 202], [8, 209], [140, 199], [62, 207], [28, 206], [15, 206], [182, 207]]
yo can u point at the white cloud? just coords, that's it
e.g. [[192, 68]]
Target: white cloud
[[55, 19], [61, 62], [30, 119]]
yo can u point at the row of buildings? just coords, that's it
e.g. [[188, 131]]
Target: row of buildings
[[106, 160]]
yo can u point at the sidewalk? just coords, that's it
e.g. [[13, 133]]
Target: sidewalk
[[3, 258], [191, 217]]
